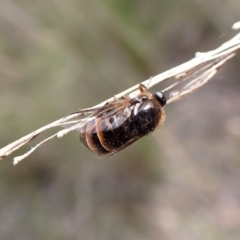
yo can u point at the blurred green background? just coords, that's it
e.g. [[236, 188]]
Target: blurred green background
[[182, 182]]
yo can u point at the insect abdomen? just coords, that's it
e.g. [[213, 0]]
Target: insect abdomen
[[106, 137]]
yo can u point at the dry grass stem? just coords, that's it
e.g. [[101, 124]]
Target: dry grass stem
[[186, 78]]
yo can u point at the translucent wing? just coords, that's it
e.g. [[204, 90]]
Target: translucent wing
[[115, 112]]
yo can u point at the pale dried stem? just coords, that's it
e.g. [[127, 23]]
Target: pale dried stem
[[191, 75]]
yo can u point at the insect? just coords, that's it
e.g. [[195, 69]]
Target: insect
[[112, 127], [119, 123]]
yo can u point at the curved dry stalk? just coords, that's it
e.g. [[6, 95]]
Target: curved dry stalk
[[187, 77]]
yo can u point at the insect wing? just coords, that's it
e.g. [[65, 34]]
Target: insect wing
[[114, 112], [113, 115]]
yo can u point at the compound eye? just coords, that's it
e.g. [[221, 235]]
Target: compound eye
[[161, 98]]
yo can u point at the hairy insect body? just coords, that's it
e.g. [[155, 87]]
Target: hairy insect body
[[114, 130]]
